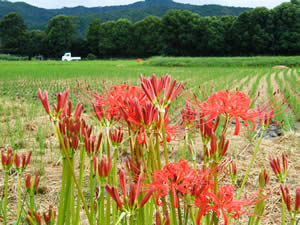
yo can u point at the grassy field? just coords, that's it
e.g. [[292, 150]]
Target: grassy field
[[23, 124]]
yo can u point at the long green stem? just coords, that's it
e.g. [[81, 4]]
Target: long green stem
[[73, 175], [81, 171], [162, 116], [250, 165], [282, 211], [91, 191], [5, 197], [61, 213], [173, 212], [68, 193], [19, 198], [179, 211], [108, 198]]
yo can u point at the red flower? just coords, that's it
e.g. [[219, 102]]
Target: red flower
[[49, 217], [35, 217], [188, 115], [44, 100], [32, 186], [153, 88], [25, 160], [223, 202], [173, 178], [116, 136], [7, 159], [130, 202], [104, 167], [231, 106]]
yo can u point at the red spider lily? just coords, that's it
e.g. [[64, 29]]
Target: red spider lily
[[223, 202], [116, 136], [188, 115], [266, 111], [166, 220], [44, 100], [49, 217], [264, 178], [107, 104], [70, 129], [32, 186], [34, 218], [90, 143], [286, 197], [133, 167], [297, 201], [104, 167], [25, 160], [139, 60], [275, 165], [61, 100], [230, 105], [173, 178], [233, 171], [130, 202], [153, 88], [217, 151], [7, 159], [59, 106], [67, 111], [207, 128]]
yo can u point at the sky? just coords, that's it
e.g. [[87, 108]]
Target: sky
[[93, 3]]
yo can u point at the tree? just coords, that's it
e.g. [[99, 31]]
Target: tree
[[146, 38], [116, 39], [177, 32], [36, 44], [93, 37], [286, 20], [13, 34], [60, 31]]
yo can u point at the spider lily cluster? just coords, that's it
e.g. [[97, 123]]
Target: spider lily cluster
[[149, 186]]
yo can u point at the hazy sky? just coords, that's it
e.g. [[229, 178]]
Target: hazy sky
[[92, 3]]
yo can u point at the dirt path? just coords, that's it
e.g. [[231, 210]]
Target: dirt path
[[248, 86], [274, 83], [263, 88], [237, 85]]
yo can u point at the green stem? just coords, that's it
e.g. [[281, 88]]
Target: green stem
[[5, 197], [61, 213], [68, 193], [179, 211], [109, 181], [157, 151], [250, 166], [74, 176], [81, 172], [162, 116], [19, 198], [282, 211], [101, 216], [173, 212], [91, 191]]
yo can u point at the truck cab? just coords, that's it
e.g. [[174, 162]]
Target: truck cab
[[68, 57]]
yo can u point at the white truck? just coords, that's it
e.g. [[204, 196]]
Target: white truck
[[68, 57]]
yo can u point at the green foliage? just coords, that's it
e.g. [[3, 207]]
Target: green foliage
[[7, 57], [60, 31], [37, 18], [91, 56], [179, 33], [13, 34], [225, 61]]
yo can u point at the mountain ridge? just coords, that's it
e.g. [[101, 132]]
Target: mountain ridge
[[37, 18]]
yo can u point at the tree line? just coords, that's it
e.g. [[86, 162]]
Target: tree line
[[179, 33]]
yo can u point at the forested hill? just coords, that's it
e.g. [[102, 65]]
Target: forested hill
[[37, 18]]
